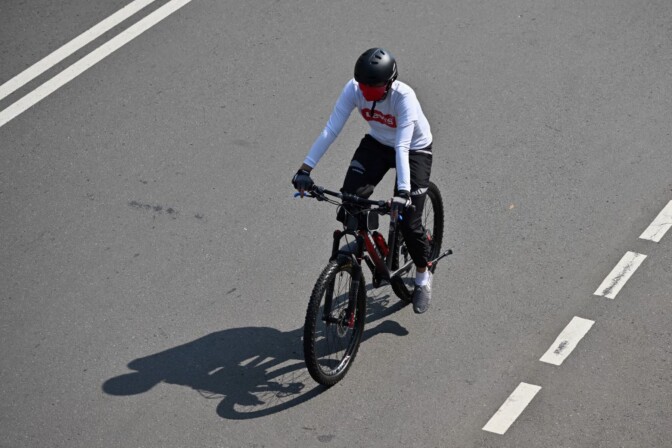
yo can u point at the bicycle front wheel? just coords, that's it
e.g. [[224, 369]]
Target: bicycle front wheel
[[329, 342]]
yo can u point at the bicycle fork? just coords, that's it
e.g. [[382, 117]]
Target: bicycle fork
[[353, 291]]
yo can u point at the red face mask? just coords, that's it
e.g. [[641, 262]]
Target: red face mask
[[372, 93]]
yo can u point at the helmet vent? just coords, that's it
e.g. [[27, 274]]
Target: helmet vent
[[375, 66]]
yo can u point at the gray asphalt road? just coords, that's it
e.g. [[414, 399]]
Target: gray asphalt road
[[155, 268]]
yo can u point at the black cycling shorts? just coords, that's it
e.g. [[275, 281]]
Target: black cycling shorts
[[371, 161]]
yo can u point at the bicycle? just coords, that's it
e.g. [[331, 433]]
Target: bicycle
[[336, 311]]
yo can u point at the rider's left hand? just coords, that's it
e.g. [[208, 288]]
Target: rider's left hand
[[401, 201], [302, 181]]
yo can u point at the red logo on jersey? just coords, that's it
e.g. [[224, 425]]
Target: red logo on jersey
[[388, 120]]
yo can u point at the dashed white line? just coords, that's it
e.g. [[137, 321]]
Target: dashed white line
[[578, 327], [617, 278], [75, 44], [90, 60], [512, 408], [660, 225], [567, 341]]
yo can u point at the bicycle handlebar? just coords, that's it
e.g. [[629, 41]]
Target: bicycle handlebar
[[347, 197], [318, 193]]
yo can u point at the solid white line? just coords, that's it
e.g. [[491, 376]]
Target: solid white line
[[75, 44], [90, 60], [660, 225], [512, 408], [620, 274], [567, 341]]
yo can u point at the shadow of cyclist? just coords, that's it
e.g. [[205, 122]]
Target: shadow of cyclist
[[254, 371]]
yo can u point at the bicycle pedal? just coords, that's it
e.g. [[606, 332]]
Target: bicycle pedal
[[440, 257]]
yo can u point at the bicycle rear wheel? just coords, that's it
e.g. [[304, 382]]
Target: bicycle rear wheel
[[329, 344], [432, 222]]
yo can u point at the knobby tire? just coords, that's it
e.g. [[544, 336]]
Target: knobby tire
[[330, 348]]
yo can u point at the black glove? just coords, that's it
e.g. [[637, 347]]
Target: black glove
[[302, 181], [401, 201]]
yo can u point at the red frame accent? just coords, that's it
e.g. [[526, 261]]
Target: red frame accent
[[371, 249]]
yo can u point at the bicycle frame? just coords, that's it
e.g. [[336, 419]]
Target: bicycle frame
[[364, 248], [336, 314]]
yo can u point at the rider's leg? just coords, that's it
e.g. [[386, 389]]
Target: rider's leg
[[414, 232], [411, 227], [368, 167]]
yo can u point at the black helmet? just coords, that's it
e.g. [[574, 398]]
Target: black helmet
[[376, 66]]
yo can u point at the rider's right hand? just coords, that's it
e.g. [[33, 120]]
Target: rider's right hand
[[302, 181]]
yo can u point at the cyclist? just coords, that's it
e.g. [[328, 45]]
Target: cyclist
[[399, 137]]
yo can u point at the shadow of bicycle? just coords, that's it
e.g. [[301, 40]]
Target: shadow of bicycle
[[254, 371]]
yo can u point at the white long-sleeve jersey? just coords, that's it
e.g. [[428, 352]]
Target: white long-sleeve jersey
[[397, 121]]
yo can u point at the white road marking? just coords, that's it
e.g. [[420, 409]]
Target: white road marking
[[75, 44], [578, 327], [90, 60], [620, 274], [567, 341], [512, 408], [660, 225]]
